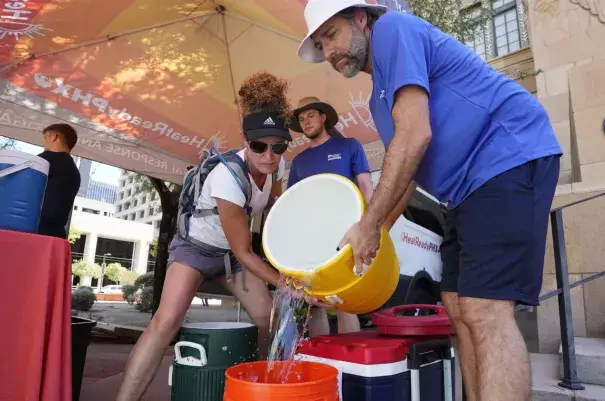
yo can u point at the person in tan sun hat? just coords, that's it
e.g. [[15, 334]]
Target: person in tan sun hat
[[328, 154], [313, 103]]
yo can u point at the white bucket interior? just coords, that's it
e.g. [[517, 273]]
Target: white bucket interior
[[217, 325], [308, 221]]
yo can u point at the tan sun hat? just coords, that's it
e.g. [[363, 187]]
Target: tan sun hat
[[313, 103]]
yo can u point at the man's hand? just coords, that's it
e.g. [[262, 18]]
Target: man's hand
[[364, 240]]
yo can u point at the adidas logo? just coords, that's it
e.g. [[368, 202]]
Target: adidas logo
[[269, 121]]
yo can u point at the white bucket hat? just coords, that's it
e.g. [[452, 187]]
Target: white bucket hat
[[316, 13]]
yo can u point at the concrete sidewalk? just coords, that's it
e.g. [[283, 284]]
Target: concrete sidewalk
[[103, 374], [122, 314]]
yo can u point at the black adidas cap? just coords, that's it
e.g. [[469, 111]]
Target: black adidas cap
[[265, 123]]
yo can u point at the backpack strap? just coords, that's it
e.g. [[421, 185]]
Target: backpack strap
[[241, 174]]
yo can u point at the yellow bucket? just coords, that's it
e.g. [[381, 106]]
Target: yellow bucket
[[301, 236]]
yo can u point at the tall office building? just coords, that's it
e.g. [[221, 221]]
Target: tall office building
[[84, 165], [136, 205]]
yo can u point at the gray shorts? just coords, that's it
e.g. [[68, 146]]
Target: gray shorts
[[209, 261]]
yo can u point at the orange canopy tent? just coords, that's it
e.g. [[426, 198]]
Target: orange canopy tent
[[149, 84]]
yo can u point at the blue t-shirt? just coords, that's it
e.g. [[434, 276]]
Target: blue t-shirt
[[343, 156], [483, 123]]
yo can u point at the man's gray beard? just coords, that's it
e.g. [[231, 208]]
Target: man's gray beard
[[358, 52]]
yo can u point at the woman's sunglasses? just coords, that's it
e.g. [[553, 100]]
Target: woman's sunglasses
[[277, 148]]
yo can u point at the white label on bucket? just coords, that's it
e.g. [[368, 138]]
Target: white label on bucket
[[333, 299]]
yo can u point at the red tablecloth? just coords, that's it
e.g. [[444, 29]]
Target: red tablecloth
[[35, 318]]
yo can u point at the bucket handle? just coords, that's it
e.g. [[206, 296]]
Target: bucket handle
[[190, 361], [16, 168]]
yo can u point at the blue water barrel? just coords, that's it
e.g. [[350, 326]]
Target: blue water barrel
[[23, 180]]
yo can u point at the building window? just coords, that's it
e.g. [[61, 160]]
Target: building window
[[477, 43], [104, 213], [133, 216], [125, 217], [122, 183], [129, 193], [141, 214], [136, 202], [121, 195], [501, 34], [75, 208], [126, 205], [92, 211], [144, 200], [119, 208], [130, 180], [151, 211], [157, 224], [506, 27]]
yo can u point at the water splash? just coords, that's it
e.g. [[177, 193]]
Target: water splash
[[289, 319]]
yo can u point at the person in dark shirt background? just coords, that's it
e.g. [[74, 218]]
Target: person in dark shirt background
[[63, 179]]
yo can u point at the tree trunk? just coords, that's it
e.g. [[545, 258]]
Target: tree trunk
[[170, 202]]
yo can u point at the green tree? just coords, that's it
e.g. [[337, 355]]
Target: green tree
[[74, 235], [451, 17], [82, 268], [8, 144], [153, 248], [128, 277], [114, 272]]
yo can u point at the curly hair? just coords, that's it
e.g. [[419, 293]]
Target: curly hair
[[264, 91]]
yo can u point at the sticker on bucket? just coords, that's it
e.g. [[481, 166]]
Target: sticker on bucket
[[334, 299]]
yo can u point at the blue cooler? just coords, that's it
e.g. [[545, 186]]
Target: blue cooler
[[376, 368], [23, 180]]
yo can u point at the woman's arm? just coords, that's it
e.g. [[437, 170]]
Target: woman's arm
[[235, 225]]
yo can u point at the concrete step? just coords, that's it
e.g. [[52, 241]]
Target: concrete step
[[546, 378], [590, 360]]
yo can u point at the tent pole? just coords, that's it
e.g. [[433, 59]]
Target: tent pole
[[221, 10]]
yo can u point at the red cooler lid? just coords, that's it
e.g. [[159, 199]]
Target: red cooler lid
[[391, 322], [365, 347]]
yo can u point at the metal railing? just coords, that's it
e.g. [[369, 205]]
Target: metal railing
[[570, 378]]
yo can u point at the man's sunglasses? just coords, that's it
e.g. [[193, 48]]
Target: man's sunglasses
[[277, 148]]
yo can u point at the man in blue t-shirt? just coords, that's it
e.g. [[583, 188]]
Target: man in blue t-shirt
[[328, 154], [477, 141]]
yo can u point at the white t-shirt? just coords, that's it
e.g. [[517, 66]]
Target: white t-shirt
[[221, 184]]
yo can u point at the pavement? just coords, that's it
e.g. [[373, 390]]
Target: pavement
[[103, 373], [122, 314], [106, 357]]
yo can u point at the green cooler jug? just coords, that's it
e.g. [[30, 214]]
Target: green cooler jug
[[204, 352]]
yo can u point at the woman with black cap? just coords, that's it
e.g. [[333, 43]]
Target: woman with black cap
[[265, 110]]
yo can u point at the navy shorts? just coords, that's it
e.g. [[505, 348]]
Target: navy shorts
[[206, 261], [495, 240]]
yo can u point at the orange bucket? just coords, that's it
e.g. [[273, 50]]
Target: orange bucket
[[305, 381]]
